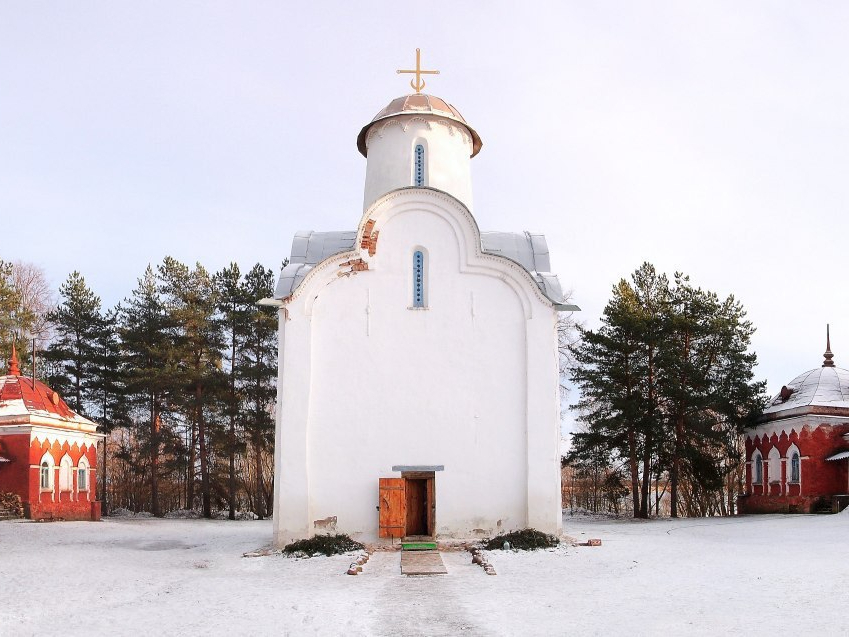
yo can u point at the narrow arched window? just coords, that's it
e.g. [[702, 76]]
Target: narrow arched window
[[419, 168], [794, 467], [82, 475], [45, 475], [759, 470], [418, 279]]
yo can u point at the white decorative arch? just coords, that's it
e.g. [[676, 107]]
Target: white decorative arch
[[794, 465], [774, 465], [66, 468], [45, 471], [83, 475], [757, 467]]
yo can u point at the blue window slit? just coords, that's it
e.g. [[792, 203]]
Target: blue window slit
[[418, 279], [420, 165]]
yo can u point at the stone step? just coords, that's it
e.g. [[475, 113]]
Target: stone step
[[422, 563]]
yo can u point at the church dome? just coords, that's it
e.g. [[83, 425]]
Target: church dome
[[419, 104], [822, 390]]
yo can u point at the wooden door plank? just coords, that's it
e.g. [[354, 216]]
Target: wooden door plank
[[393, 505]]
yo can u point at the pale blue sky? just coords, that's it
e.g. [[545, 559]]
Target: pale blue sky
[[705, 137]]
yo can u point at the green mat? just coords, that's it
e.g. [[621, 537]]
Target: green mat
[[418, 546]]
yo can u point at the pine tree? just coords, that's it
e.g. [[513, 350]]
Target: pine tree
[[666, 379], [191, 301], [9, 300], [145, 348], [107, 388], [257, 373], [233, 305], [76, 323]]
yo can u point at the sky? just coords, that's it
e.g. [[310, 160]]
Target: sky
[[709, 138]]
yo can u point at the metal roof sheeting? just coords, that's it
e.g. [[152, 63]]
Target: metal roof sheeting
[[820, 387], [528, 249]]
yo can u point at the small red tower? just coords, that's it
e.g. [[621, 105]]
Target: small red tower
[[48, 453]]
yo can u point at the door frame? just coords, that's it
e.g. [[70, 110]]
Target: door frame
[[430, 495]]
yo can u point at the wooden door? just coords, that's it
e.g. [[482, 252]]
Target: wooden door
[[431, 508], [393, 508]]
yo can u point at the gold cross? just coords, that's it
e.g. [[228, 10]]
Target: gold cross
[[418, 84]]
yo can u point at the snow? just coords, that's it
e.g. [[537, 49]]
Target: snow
[[136, 575], [823, 386]]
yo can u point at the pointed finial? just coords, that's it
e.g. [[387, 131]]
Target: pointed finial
[[14, 370], [828, 355]]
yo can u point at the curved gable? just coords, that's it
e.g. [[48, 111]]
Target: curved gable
[[317, 251]]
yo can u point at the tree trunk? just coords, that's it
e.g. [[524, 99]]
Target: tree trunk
[[190, 470], [260, 495], [155, 425], [645, 510], [232, 437], [104, 505], [204, 461], [635, 478], [676, 463]]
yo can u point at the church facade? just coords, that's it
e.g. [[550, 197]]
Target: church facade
[[797, 458], [48, 453], [418, 390]]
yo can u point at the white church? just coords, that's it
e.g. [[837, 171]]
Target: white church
[[418, 389]]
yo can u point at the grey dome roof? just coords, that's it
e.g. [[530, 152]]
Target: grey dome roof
[[818, 390]]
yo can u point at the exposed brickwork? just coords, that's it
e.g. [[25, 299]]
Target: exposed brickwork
[[372, 246], [365, 242], [355, 265], [369, 240]]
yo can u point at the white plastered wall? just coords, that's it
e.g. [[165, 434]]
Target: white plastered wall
[[470, 382], [391, 146]]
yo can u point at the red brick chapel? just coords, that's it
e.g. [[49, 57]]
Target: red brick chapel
[[797, 457], [48, 453]]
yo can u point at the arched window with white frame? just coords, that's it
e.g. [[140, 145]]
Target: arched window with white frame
[[66, 468], [46, 472], [794, 460], [82, 475], [757, 467]]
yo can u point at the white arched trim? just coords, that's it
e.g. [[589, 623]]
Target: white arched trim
[[83, 475], [794, 465], [757, 467], [66, 468], [774, 474], [466, 233], [46, 468]]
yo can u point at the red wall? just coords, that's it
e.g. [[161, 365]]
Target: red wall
[[819, 479], [22, 476]]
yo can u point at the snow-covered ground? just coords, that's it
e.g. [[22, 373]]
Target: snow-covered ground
[[764, 574]]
